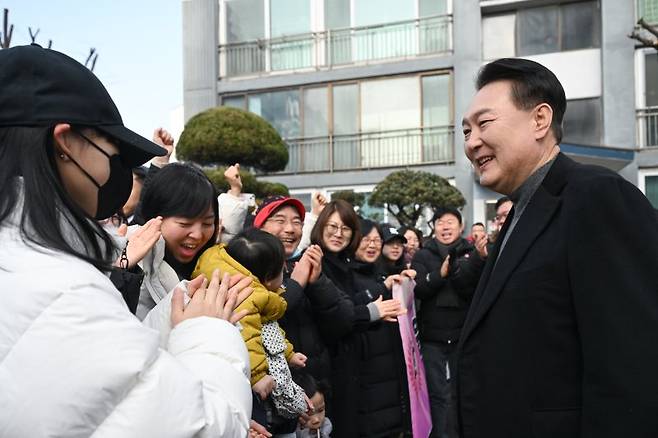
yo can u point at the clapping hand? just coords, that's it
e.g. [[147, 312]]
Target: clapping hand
[[217, 299], [141, 241]]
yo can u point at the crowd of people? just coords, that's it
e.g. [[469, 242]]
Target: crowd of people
[[141, 302]]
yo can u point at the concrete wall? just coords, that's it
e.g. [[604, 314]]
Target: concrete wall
[[200, 53]]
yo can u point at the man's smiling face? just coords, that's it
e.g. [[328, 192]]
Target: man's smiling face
[[500, 138]]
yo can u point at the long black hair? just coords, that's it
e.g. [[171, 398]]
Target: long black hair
[[259, 251], [49, 217], [180, 189]]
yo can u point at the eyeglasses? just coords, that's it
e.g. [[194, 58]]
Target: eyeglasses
[[366, 241], [333, 229], [116, 219], [296, 223]]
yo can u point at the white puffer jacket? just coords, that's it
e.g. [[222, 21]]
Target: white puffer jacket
[[75, 363]]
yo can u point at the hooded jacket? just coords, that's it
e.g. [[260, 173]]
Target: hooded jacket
[[262, 306], [75, 362]]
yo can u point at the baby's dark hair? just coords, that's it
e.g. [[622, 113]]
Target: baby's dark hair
[[310, 385], [260, 252]]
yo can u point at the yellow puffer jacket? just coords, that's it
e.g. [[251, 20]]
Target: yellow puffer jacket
[[262, 306]]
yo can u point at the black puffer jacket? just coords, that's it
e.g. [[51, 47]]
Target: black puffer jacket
[[368, 376], [445, 301], [313, 312]]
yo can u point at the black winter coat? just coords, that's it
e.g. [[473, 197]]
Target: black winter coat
[[369, 374], [314, 317], [445, 301]]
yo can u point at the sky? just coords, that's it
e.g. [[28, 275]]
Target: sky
[[139, 46]]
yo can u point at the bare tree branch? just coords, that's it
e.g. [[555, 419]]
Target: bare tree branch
[[33, 35], [8, 31]]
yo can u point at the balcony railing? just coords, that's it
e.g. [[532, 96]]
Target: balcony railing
[[647, 126], [371, 150], [648, 9], [356, 45]]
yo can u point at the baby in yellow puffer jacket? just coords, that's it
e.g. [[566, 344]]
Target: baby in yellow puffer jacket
[[260, 255]]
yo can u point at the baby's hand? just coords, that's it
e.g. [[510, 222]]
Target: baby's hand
[[264, 386], [297, 360]]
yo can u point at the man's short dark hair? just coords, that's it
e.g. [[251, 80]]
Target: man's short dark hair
[[532, 84], [477, 224], [501, 201], [441, 211]]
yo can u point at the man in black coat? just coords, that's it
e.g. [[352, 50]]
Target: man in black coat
[[448, 268], [560, 340]]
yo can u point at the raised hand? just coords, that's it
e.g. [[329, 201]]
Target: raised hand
[[232, 176], [318, 201], [163, 138]]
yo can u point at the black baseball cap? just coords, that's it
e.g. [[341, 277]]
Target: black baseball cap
[[390, 233], [42, 87]]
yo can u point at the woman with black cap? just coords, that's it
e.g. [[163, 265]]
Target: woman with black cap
[[73, 359]]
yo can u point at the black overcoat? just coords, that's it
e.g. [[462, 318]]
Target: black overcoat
[[560, 340]]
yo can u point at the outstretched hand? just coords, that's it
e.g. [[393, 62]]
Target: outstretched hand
[[217, 299]]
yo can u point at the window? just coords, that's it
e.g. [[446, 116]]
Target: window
[[498, 36], [337, 14], [648, 9], [651, 189], [582, 122], [245, 20], [537, 31], [580, 26], [367, 12], [233, 101], [347, 150], [281, 109], [316, 120], [547, 29], [433, 7], [372, 123], [289, 17], [651, 79]]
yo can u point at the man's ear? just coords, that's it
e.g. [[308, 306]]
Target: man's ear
[[62, 136], [543, 119]]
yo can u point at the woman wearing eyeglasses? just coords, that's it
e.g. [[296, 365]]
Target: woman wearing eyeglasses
[[338, 234]]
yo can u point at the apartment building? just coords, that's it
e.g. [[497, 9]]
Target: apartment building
[[361, 88]]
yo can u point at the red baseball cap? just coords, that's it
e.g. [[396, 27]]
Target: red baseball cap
[[272, 203]]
